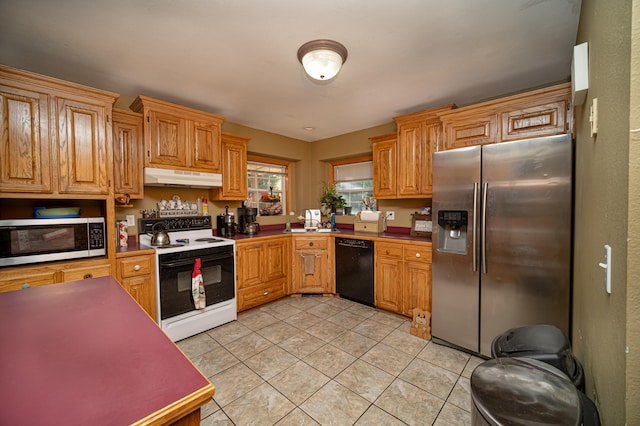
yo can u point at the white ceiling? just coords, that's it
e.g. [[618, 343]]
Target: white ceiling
[[237, 58]]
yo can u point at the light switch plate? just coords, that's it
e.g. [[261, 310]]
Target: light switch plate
[[606, 265], [131, 220], [593, 117]]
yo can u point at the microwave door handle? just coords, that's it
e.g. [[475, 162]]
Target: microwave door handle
[[474, 245], [484, 227], [192, 260]]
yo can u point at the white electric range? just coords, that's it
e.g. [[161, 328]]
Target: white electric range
[[191, 238]]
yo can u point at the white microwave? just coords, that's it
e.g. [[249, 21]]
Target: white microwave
[[25, 241]]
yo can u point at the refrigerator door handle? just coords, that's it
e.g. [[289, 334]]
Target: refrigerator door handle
[[485, 190], [475, 227]]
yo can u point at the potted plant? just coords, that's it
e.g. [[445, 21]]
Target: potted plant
[[330, 197]]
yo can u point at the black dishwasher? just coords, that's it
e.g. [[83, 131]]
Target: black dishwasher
[[354, 270]]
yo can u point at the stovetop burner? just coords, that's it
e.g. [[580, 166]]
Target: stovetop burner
[[208, 240]]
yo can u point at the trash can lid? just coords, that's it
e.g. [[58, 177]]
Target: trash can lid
[[530, 339], [524, 392]]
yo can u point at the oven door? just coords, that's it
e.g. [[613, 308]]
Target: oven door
[[175, 271]]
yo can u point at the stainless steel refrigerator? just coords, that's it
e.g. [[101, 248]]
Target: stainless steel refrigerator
[[502, 239]]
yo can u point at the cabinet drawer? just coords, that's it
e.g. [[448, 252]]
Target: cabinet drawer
[[261, 293], [313, 243], [135, 266], [84, 273], [417, 253], [388, 250], [32, 280]]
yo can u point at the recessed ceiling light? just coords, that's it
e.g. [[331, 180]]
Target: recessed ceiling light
[[309, 128]]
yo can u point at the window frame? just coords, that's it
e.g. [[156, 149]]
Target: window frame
[[287, 178], [342, 162]]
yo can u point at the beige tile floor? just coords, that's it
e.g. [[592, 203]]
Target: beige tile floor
[[323, 360]]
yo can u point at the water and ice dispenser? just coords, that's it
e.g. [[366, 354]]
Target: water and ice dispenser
[[452, 231]]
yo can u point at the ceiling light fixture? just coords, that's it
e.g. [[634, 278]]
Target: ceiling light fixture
[[322, 59]]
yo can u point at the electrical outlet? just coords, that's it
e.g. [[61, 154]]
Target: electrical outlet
[[390, 215], [131, 220]]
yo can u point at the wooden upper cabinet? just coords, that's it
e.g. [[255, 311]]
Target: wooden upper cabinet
[[24, 134], [128, 154], [166, 139], [384, 165], [56, 135], [177, 137], [234, 169], [541, 118], [418, 136], [470, 131], [82, 147], [205, 151], [537, 113]]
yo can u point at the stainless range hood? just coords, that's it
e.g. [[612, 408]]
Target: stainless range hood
[[183, 178]]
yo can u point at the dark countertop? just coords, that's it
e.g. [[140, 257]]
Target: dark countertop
[[344, 231], [133, 247], [84, 352]]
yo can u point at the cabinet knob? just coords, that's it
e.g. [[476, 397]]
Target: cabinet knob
[[387, 251], [136, 268], [265, 293], [417, 254], [311, 244], [87, 276]]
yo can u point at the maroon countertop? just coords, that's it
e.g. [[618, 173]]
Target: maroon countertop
[[84, 352], [345, 230]]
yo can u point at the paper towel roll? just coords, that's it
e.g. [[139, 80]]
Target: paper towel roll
[[371, 216]]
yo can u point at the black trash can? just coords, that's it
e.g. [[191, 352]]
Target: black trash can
[[527, 392], [543, 342]]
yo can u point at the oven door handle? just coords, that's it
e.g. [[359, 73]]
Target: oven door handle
[[192, 261]]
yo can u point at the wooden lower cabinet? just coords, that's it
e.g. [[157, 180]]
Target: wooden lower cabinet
[[402, 277], [135, 272], [22, 277], [313, 270], [388, 276], [262, 271]]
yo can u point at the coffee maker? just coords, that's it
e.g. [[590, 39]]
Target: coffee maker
[[225, 224], [247, 220]]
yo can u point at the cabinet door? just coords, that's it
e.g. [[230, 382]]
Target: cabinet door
[[250, 264], [432, 133], [388, 279], [127, 154], [142, 289], [205, 146], [540, 119], [310, 271], [82, 149], [234, 170], [416, 287], [470, 131], [384, 168], [276, 255], [165, 139], [410, 143], [24, 134]]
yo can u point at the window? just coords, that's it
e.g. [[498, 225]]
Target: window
[[267, 182], [354, 181]]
